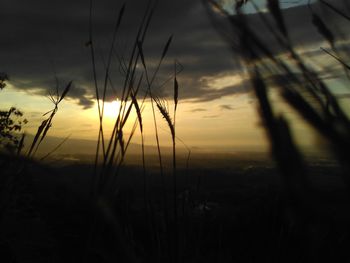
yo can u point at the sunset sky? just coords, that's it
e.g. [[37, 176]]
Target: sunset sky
[[44, 39]]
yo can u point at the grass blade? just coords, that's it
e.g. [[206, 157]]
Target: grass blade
[[335, 10], [21, 144], [336, 58], [55, 149], [139, 45], [274, 7], [65, 91], [176, 92], [323, 29], [165, 50], [37, 135]]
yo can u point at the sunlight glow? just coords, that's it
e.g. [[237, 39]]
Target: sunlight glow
[[111, 109]]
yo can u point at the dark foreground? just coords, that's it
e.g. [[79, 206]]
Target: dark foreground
[[229, 210]]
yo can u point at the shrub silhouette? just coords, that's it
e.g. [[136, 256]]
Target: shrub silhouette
[[11, 122]]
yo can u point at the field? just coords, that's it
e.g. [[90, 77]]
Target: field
[[231, 209]]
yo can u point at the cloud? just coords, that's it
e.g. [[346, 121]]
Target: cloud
[[42, 39], [210, 116], [226, 107], [198, 110]]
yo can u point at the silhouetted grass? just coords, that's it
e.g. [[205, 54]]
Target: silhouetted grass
[[309, 96], [105, 185], [237, 221], [46, 124]]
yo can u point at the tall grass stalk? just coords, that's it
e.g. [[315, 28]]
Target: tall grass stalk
[[47, 123], [324, 107], [163, 109], [150, 93], [100, 138], [305, 92], [173, 135], [105, 184], [336, 10], [116, 142]]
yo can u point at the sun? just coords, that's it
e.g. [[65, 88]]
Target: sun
[[111, 109]]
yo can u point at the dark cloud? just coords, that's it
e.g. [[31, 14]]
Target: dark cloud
[[43, 39], [213, 94], [226, 107], [298, 20]]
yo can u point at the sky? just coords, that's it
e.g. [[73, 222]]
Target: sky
[[45, 40]]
